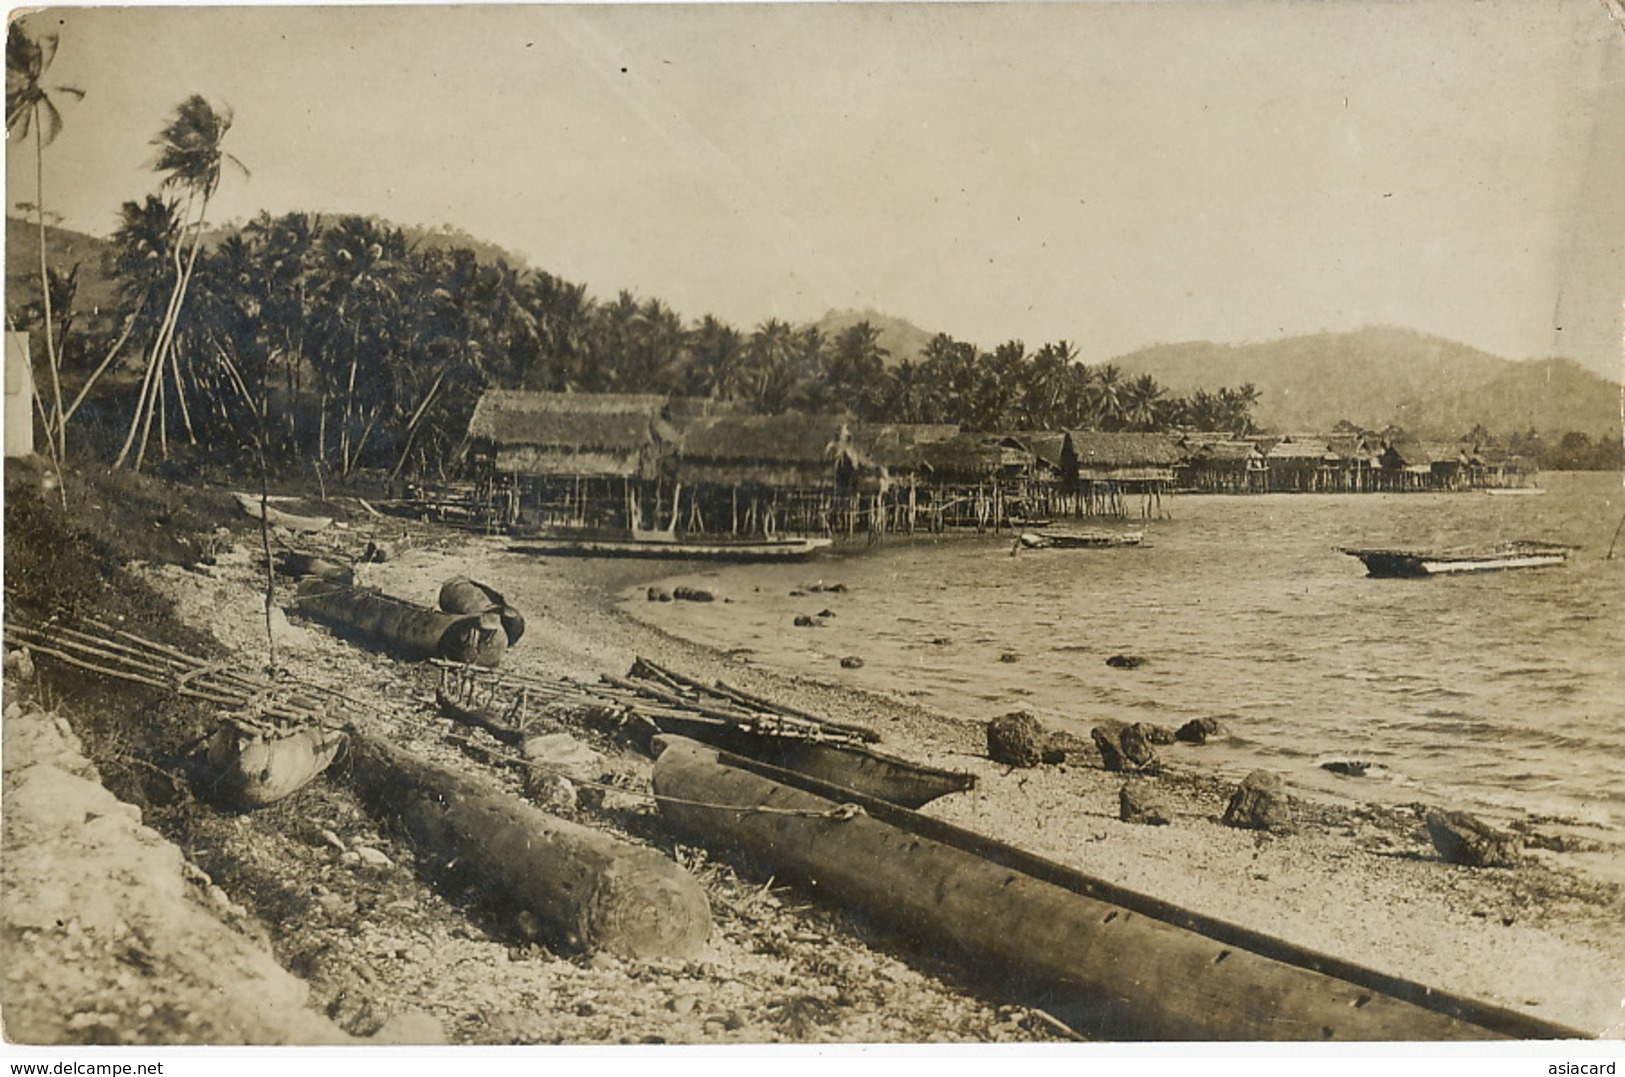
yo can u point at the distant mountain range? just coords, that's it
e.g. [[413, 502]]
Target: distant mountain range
[[1381, 375], [1373, 377]]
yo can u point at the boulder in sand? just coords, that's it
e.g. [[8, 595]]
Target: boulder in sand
[[1259, 803], [1017, 739], [1138, 802], [558, 763], [1465, 839]]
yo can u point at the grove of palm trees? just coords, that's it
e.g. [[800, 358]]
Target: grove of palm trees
[[343, 344]]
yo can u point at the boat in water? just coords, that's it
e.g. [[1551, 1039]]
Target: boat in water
[[664, 545], [1505, 555], [1079, 540]]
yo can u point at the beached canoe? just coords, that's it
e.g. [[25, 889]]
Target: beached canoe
[[400, 626], [1109, 963], [1506, 555], [1080, 540], [845, 765], [250, 504]]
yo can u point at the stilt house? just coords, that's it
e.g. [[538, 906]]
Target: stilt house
[[1115, 467], [575, 460]]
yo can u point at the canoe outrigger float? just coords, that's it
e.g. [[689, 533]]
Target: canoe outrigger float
[[1398, 563], [1109, 963]]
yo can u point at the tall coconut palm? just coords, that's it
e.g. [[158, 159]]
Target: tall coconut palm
[[29, 108], [363, 275], [192, 158], [1140, 402]]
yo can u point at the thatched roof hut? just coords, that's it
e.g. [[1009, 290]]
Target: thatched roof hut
[[777, 451], [576, 435], [976, 458], [1124, 456], [899, 447], [1421, 456], [1301, 450]]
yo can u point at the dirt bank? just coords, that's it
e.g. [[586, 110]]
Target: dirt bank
[[110, 935]]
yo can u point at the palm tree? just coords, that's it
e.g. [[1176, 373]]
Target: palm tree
[[1107, 402], [190, 153], [856, 371], [29, 108], [1140, 399], [363, 274], [712, 349]]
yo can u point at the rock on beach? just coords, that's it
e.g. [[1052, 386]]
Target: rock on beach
[[1461, 838], [1259, 803]]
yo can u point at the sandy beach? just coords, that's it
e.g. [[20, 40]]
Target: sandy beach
[[387, 954]]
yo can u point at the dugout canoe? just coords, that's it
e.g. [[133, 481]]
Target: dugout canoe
[[250, 504], [409, 630], [1496, 558], [1110, 963]]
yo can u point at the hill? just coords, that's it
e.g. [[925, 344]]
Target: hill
[[1381, 375], [1548, 395], [64, 249], [900, 337]]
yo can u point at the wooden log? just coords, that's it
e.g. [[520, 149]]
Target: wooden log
[[1111, 964], [581, 889], [412, 631]]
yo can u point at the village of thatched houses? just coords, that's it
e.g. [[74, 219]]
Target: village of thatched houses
[[630, 463]]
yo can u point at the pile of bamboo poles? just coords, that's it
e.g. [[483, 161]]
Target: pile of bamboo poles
[[108, 651]]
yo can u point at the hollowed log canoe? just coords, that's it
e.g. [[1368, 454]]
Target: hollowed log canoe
[[1110, 963], [250, 766], [848, 766], [400, 626]]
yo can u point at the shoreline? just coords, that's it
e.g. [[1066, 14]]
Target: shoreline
[[1357, 880]]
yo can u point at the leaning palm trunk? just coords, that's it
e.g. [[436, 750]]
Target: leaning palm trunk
[[168, 348], [54, 422], [107, 361], [412, 425], [142, 419]]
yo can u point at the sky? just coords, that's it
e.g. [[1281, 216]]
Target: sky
[[1112, 174]]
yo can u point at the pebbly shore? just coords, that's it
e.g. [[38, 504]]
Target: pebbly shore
[[381, 948]]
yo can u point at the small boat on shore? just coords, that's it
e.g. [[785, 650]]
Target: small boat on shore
[[1515, 491], [251, 506], [1505, 555], [1080, 540], [672, 548]]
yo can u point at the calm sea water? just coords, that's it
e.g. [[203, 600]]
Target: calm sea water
[[1498, 690]]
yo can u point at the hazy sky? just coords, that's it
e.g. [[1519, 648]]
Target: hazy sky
[[1117, 174]]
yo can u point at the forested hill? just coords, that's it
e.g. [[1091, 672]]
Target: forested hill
[[902, 339], [1380, 375]]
